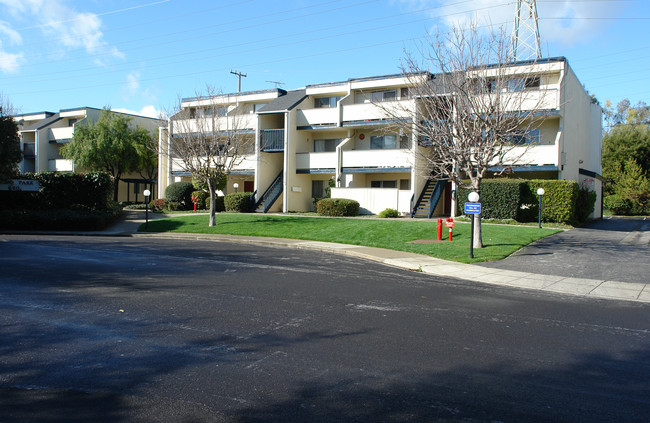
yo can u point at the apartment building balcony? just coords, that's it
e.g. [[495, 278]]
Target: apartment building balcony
[[61, 134], [315, 161], [533, 155], [241, 123], [60, 165], [371, 112], [532, 100], [315, 117], [393, 158], [272, 140]]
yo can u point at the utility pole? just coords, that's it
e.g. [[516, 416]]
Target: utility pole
[[525, 44], [277, 83], [239, 76]]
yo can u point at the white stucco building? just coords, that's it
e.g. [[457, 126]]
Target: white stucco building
[[335, 131]]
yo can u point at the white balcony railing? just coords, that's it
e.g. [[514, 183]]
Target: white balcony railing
[[377, 158], [316, 160], [317, 116], [61, 133], [534, 155], [59, 165], [371, 111], [204, 125]]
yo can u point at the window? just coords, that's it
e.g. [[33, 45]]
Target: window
[[258, 106], [72, 121], [326, 102], [523, 137], [405, 184], [379, 96], [383, 142], [383, 184], [404, 142], [326, 145]]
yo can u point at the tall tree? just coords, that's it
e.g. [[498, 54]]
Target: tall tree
[[109, 145], [628, 138], [208, 140], [473, 110], [10, 154]]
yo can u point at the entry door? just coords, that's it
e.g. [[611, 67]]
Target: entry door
[[249, 186]]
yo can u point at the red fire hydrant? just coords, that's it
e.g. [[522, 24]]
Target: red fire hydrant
[[450, 224], [439, 226]]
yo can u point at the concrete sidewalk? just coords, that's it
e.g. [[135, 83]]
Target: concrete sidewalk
[[589, 288]]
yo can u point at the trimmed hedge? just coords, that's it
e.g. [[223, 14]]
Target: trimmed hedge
[[91, 191], [500, 199], [238, 202], [57, 219], [562, 202], [337, 207], [559, 200]]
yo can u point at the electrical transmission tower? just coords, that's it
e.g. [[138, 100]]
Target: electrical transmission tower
[[525, 43]]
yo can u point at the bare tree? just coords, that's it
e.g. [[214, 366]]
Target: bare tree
[[473, 108], [209, 139]]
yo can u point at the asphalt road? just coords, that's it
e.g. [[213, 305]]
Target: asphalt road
[[615, 249], [140, 330]]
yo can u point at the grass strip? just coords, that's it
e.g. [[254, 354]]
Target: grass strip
[[499, 241]]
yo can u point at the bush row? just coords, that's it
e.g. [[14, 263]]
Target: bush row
[[90, 191], [622, 206], [59, 219], [337, 207], [563, 201]]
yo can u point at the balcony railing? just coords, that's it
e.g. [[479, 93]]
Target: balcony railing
[[272, 140], [59, 165], [316, 160], [61, 133], [377, 158]]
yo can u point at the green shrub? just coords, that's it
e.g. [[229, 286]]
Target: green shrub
[[238, 202], [157, 205], [59, 190], [180, 192], [559, 199], [386, 213], [200, 197], [174, 206], [584, 205], [337, 207], [60, 219], [617, 205], [500, 199]]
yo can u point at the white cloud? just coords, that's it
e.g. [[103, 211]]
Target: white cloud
[[63, 26], [132, 84], [148, 111], [564, 22], [9, 62], [14, 36]]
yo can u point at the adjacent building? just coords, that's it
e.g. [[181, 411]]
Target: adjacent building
[[335, 135], [42, 134]]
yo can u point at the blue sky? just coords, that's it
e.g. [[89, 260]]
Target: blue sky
[[142, 55]]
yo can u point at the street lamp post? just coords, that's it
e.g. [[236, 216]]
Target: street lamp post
[[146, 193], [236, 185], [473, 197], [540, 193]]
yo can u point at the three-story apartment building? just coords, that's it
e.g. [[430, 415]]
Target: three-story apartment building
[[339, 134], [42, 135]]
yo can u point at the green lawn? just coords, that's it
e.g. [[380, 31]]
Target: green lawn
[[499, 240]]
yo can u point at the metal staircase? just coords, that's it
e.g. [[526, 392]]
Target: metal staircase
[[270, 195], [429, 198]]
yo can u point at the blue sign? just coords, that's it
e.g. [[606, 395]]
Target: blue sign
[[472, 208]]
